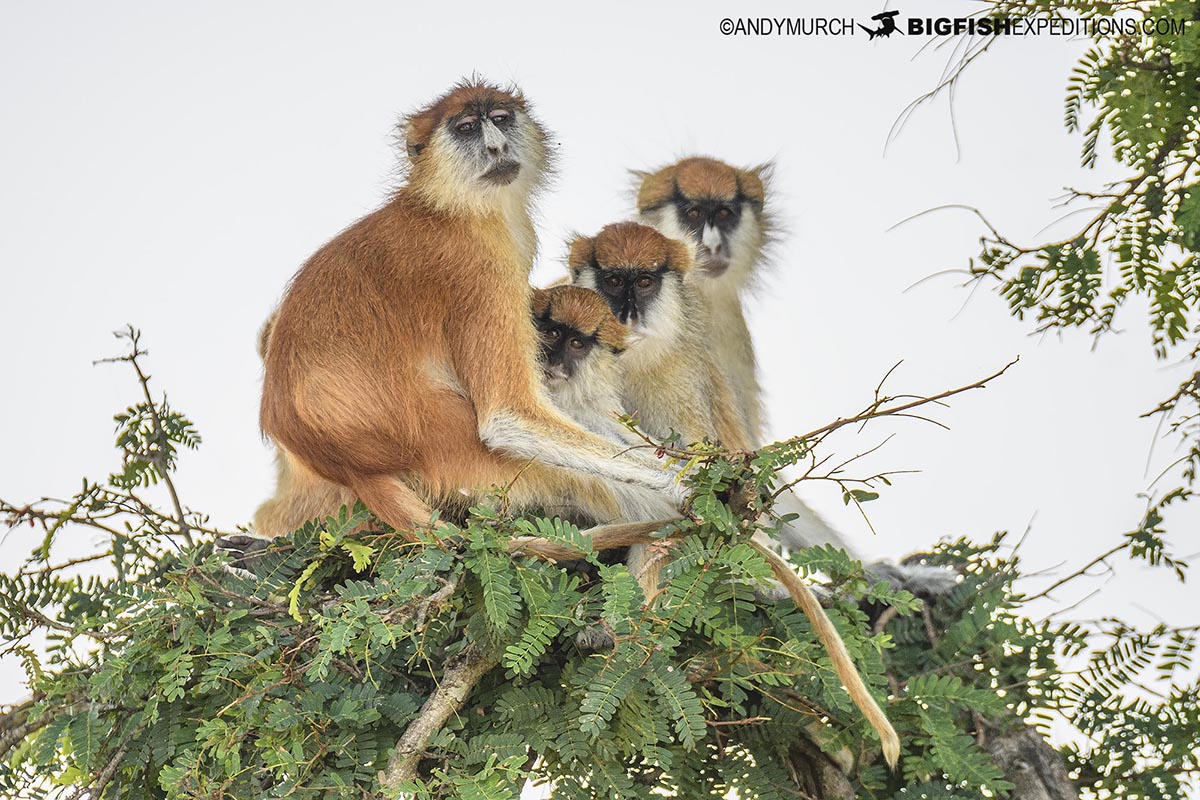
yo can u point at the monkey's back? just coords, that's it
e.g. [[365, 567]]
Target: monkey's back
[[358, 371]]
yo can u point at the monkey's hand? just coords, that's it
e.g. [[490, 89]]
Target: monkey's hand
[[674, 488], [244, 551], [595, 638], [660, 549]]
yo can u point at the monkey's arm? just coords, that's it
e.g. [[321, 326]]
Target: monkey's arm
[[516, 418], [728, 422]]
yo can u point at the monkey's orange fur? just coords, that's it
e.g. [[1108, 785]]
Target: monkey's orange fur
[[698, 176], [405, 336]]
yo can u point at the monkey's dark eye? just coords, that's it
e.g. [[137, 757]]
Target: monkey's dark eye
[[575, 343], [500, 118], [645, 281], [466, 126], [613, 281], [693, 214], [724, 213], [554, 333]]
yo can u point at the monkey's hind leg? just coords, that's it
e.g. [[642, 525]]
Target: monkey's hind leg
[[394, 502], [300, 495]]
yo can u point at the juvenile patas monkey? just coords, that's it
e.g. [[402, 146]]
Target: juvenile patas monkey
[[581, 346], [402, 362], [722, 210], [670, 375], [580, 343]]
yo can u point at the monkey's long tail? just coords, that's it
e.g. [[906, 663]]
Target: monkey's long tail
[[842, 662]]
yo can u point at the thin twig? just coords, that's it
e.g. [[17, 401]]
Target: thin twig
[[144, 380], [96, 788], [1100, 559], [876, 409]]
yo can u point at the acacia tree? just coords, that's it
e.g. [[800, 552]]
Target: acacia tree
[[355, 662], [1134, 98], [351, 662]]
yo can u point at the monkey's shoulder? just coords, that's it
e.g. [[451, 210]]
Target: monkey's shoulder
[[406, 244]]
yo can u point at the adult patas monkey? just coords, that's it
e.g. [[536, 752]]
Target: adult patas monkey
[[402, 362], [721, 209]]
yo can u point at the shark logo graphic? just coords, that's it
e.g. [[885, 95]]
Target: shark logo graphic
[[887, 25]]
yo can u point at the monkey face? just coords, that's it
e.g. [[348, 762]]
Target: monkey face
[[715, 206], [638, 271], [631, 293], [726, 231], [577, 334], [476, 143], [486, 135], [564, 350], [710, 223]]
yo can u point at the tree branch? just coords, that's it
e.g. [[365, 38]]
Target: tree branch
[[463, 672]]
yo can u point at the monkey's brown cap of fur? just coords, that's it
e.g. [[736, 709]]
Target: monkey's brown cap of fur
[[419, 127], [629, 245], [583, 310], [699, 178]]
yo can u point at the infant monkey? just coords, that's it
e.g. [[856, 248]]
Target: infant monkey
[[580, 342]]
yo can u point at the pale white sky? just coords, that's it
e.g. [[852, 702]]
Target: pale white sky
[[172, 164]]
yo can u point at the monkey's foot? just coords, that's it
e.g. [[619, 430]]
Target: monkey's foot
[[594, 638], [777, 591], [244, 551]]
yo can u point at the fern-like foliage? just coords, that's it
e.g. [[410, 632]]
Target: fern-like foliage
[[1134, 98], [170, 675]]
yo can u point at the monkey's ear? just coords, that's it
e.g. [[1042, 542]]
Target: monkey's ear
[[633, 189], [415, 131], [755, 180], [681, 256], [539, 302], [654, 188], [581, 253]]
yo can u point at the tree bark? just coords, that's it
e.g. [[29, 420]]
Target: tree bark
[[462, 674]]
